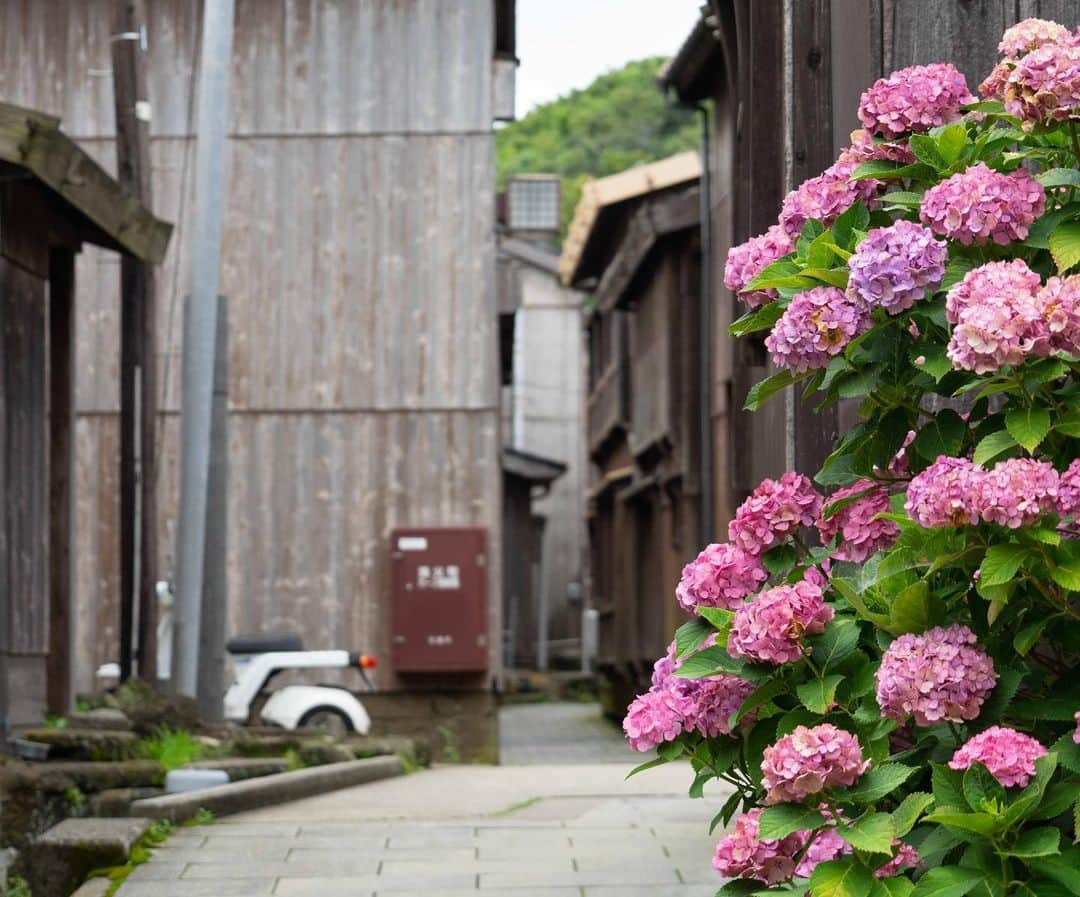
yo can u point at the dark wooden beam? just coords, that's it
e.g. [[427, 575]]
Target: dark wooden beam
[[61, 477], [138, 397]]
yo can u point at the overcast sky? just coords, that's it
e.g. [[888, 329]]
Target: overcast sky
[[565, 44]]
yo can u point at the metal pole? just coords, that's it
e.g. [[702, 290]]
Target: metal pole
[[708, 459], [198, 354]]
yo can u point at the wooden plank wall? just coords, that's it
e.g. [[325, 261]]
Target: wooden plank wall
[[358, 261]]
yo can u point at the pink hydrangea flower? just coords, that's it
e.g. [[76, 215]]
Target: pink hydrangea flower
[[861, 533], [818, 324], [770, 628], [993, 85], [1017, 492], [997, 319], [1044, 85], [747, 260], [942, 674], [774, 511], [742, 854], [943, 494], [712, 701], [895, 266], [1009, 755], [907, 857], [1068, 498], [914, 99], [1076, 734], [864, 149], [827, 845], [825, 197], [979, 205], [809, 760], [1030, 34], [654, 718], [721, 576], [1058, 305]]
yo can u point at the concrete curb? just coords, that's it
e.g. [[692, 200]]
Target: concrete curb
[[267, 790]]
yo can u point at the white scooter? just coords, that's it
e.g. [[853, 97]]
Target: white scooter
[[330, 708]]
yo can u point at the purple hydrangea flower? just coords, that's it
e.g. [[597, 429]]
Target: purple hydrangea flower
[[721, 576], [895, 266], [942, 674], [1017, 492], [808, 761], [944, 493], [770, 628], [1009, 755], [1068, 497], [747, 260], [818, 324], [825, 197], [980, 205], [917, 98], [1044, 85]]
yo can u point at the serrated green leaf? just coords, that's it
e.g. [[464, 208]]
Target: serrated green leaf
[[992, 446], [979, 823], [898, 886], [1001, 697], [818, 695], [691, 636], [1036, 842], [947, 881], [783, 819], [710, 662], [1028, 426], [857, 383], [718, 616], [1067, 574], [673, 750], [1064, 869], [913, 610], [981, 790], [873, 833], [1068, 752], [1064, 245], [911, 808], [942, 435], [659, 761], [843, 878], [948, 787], [1001, 563], [837, 277], [1069, 423], [1059, 177], [761, 392], [877, 782], [758, 319], [837, 643], [951, 142], [779, 559], [1027, 637]]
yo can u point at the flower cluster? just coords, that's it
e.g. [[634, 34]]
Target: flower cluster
[[942, 495], [747, 260], [940, 675], [1030, 34], [1068, 497], [980, 205], [1044, 85], [808, 761], [770, 628], [895, 266], [742, 854], [907, 857], [1009, 755], [996, 317], [825, 197], [1076, 734], [711, 703], [864, 149], [861, 531], [773, 512], [721, 576], [654, 718], [1058, 305], [914, 99], [818, 324], [1017, 492]]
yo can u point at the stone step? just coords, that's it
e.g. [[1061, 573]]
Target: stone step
[[267, 790], [105, 718], [59, 860]]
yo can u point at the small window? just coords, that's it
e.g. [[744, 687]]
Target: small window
[[505, 29]]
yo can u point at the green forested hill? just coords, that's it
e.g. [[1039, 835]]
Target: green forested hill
[[619, 120]]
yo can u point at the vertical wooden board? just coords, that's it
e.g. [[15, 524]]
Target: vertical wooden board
[[1064, 11]]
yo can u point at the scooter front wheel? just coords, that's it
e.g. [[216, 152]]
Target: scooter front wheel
[[326, 719]]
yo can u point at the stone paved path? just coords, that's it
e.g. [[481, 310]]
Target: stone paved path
[[553, 829], [560, 733]]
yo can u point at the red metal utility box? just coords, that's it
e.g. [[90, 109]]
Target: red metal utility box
[[438, 587]]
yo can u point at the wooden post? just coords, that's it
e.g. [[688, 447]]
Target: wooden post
[[138, 383], [61, 474]]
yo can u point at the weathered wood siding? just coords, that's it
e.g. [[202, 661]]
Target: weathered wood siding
[[358, 261]]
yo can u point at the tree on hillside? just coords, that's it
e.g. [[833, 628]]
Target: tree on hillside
[[618, 121]]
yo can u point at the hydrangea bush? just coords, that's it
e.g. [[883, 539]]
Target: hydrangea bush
[[882, 661]]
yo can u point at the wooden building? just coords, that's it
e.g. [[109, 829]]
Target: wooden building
[[358, 262], [53, 199], [634, 243]]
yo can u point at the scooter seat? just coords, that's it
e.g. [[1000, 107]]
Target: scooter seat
[[263, 644]]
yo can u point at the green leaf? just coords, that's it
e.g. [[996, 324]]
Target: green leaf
[[947, 881], [1068, 752], [1066, 573], [1065, 245], [783, 819], [911, 808], [837, 643], [818, 695], [1001, 697], [903, 199], [1064, 869], [1057, 799], [926, 150], [659, 761], [948, 787], [1027, 637], [951, 142], [673, 750], [837, 277], [779, 559], [913, 610], [982, 791], [943, 435], [709, 662], [1028, 426], [898, 886], [758, 319], [719, 617], [1069, 423], [842, 878], [1001, 563], [760, 392], [955, 271], [691, 636], [858, 383], [874, 833], [991, 446], [979, 823], [1036, 842], [757, 697], [856, 218], [883, 169], [1059, 177], [878, 782]]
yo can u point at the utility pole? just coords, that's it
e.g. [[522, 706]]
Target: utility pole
[[138, 355], [200, 326]]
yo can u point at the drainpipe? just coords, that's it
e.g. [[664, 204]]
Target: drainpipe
[[708, 459]]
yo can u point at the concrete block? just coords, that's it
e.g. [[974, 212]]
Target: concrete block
[[84, 744], [106, 718], [96, 887], [240, 768], [267, 790], [61, 858]]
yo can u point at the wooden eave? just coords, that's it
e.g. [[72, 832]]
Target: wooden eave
[[601, 194], [113, 217]]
